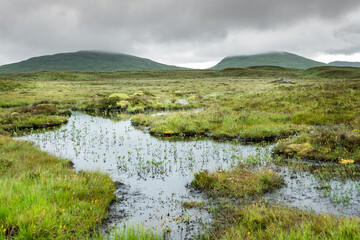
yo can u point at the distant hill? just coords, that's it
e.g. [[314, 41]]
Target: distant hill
[[84, 61], [345, 64], [280, 59], [332, 72]]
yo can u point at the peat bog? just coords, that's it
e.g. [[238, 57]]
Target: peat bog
[[185, 173]]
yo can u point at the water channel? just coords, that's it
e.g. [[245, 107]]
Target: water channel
[[155, 173]]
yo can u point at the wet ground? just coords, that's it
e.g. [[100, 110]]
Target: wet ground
[[155, 173], [306, 191]]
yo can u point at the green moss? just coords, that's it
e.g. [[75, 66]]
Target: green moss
[[120, 96], [323, 144], [136, 109], [138, 93], [123, 104], [302, 149]]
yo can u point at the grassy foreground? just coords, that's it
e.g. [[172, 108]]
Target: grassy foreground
[[247, 216], [41, 197]]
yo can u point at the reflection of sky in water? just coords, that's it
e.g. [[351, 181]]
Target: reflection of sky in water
[[305, 191], [156, 172]]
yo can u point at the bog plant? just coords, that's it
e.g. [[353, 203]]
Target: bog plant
[[42, 197], [340, 145]]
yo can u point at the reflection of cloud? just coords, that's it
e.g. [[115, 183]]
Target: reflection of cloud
[[178, 32]]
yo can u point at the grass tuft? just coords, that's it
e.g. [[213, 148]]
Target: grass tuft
[[42, 198]]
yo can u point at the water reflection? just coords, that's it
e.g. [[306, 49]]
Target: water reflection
[[154, 172]]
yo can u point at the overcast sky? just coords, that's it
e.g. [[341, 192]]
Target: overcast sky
[[192, 33]]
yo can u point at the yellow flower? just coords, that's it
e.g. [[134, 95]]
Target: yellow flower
[[168, 132], [346, 161]]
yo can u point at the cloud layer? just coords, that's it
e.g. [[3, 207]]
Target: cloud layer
[[179, 32]]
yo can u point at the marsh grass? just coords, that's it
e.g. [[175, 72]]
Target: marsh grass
[[238, 103], [219, 123], [193, 204], [266, 115], [241, 213], [324, 171], [38, 115], [41, 197], [127, 233], [326, 144], [260, 221], [238, 182]]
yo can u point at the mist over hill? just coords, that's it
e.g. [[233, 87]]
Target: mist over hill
[[92, 61], [280, 59]]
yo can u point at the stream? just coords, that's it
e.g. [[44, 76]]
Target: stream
[[154, 173]]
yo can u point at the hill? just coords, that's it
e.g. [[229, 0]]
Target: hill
[[280, 59], [331, 72], [344, 64], [85, 61]]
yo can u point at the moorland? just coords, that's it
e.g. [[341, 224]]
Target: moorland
[[313, 117]]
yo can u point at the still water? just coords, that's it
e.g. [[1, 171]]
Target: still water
[[155, 173]]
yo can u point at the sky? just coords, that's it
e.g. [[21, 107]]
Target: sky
[[189, 33]]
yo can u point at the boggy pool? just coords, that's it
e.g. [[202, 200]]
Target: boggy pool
[[155, 173]]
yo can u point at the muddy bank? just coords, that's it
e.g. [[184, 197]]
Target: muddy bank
[[49, 126], [270, 139]]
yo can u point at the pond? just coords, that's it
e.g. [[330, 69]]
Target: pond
[[154, 173]]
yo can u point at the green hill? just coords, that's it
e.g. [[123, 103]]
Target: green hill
[[84, 61], [332, 72], [345, 64], [280, 59]]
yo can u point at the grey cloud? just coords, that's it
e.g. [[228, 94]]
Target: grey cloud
[[174, 28]]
